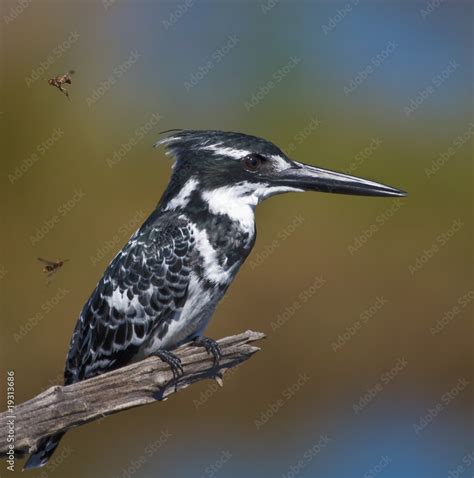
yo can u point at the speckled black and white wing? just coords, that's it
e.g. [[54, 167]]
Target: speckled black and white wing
[[141, 292]]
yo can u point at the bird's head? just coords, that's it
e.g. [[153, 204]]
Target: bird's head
[[228, 166]]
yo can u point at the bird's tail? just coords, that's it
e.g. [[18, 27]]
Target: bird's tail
[[45, 449]]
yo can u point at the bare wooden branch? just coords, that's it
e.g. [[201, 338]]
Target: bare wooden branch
[[62, 408]]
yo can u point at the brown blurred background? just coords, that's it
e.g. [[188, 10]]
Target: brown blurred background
[[367, 302]]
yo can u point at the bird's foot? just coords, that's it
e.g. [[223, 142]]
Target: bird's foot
[[211, 346], [174, 362]]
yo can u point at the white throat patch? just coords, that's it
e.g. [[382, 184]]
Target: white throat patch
[[238, 202]]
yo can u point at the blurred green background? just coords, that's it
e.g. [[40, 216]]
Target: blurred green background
[[367, 302]]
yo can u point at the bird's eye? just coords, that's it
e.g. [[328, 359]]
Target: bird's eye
[[252, 162]]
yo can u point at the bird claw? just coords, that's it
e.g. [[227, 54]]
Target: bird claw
[[212, 348], [174, 362]]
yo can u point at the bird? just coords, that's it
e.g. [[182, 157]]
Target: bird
[[161, 290], [60, 80]]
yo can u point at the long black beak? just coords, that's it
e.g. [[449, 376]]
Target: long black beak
[[309, 178]]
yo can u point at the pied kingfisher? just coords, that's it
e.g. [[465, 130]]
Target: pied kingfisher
[[162, 288]]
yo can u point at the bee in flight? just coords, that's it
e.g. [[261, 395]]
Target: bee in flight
[[60, 80], [51, 267]]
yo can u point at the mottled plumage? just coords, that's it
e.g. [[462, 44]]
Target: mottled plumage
[[161, 290], [141, 293]]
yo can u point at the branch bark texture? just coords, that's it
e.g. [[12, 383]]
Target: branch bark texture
[[61, 408]]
